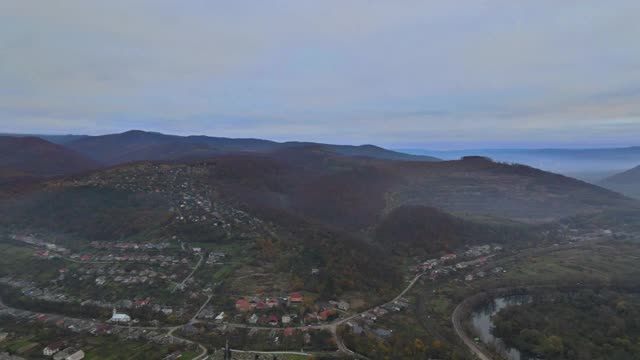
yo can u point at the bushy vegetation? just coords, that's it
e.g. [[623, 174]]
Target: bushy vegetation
[[419, 230], [587, 324], [90, 212]]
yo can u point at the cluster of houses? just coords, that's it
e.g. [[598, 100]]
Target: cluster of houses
[[127, 246], [162, 260], [449, 263], [59, 351], [260, 308], [215, 258], [33, 241], [191, 200], [396, 306], [255, 303], [366, 323], [28, 289], [92, 327]]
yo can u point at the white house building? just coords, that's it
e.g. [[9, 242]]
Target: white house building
[[119, 318]]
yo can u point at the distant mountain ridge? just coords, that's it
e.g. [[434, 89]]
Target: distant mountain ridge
[[138, 145]]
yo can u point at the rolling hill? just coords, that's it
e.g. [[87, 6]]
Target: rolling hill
[[33, 157], [310, 205], [591, 165], [627, 182]]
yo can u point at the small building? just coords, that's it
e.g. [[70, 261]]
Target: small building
[[296, 298], [343, 305], [242, 305], [261, 305], [52, 348], [286, 319], [289, 332], [253, 319], [119, 318], [220, 317], [63, 354], [78, 355], [273, 320], [327, 314], [448, 257], [273, 302]]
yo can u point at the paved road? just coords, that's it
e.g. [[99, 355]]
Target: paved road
[[190, 275], [193, 319], [466, 339], [203, 350]]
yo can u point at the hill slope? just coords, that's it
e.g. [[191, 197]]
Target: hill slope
[[307, 206], [591, 165], [31, 156], [627, 182]]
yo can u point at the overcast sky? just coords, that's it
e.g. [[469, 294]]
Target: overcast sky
[[427, 74]]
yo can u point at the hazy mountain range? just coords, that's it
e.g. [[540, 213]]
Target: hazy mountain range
[[50, 155], [590, 165]]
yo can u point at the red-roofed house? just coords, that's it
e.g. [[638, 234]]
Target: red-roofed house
[[325, 315], [273, 320], [296, 298], [85, 258], [243, 305], [273, 302], [261, 305], [41, 252], [289, 331], [139, 303]]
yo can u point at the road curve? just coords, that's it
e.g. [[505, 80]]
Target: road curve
[[468, 341]]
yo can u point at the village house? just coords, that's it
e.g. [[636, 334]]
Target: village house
[[243, 305], [119, 318], [253, 319], [273, 320], [220, 317], [448, 257], [327, 314], [261, 305], [296, 298], [52, 348], [273, 302], [286, 319], [61, 355], [78, 355]]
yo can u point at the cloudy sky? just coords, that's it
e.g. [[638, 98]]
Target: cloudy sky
[[428, 74]]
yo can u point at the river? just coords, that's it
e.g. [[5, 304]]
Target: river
[[482, 324]]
